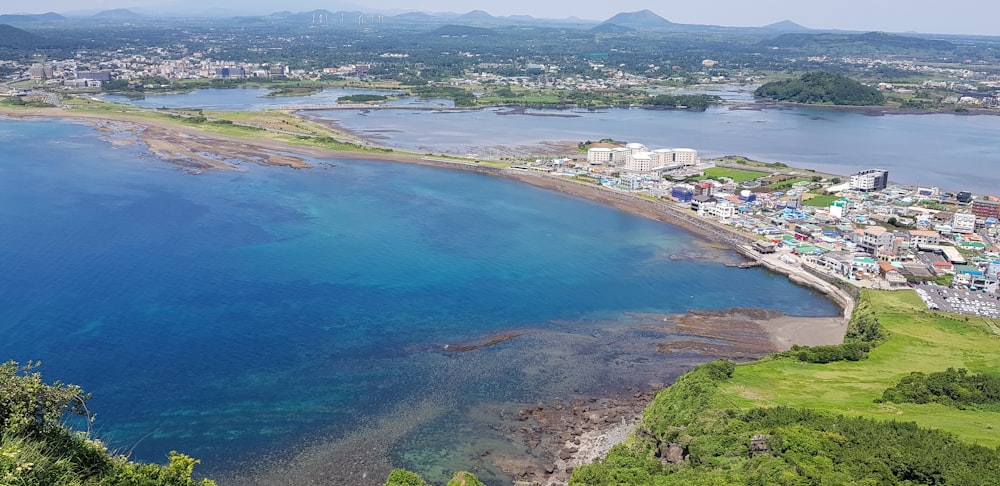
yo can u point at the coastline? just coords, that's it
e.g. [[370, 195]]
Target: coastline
[[865, 110], [176, 143]]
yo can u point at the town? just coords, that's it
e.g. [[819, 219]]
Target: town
[[860, 229]]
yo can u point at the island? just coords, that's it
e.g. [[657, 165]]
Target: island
[[821, 88]]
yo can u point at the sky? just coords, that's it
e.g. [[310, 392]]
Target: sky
[[926, 16]]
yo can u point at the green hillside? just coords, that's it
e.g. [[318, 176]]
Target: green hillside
[[922, 340], [821, 88], [822, 423]]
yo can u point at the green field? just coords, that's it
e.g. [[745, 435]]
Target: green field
[[922, 340], [737, 175], [820, 201]]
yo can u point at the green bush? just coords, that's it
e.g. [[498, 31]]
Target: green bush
[[38, 448], [954, 388], [402, 477]]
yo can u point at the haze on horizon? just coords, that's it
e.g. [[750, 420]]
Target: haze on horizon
[[977, 17]]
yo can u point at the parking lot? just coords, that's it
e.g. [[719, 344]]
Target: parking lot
[[968, 302]]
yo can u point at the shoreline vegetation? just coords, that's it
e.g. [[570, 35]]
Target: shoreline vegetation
[[198, 140]]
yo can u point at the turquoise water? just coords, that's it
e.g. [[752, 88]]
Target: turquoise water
[[235, 315]]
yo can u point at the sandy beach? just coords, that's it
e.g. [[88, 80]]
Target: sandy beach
[[561, 435]]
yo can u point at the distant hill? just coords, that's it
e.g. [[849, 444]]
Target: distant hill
[[786, 26], [607, 28], [870, 41], [13, 38], [476, 16], [27, 18], [641, 20], [415, 17], [462, 31], [822, 88], [117, 14]]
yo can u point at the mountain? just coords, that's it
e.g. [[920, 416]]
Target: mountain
[[26, 18], [476, 17], [641, 20], [13, 38], [786, 26], [117, 14]]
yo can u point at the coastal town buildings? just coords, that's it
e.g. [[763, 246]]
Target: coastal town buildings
[[872, 233], [986, 207], [963, 223], [634, 159], [870, 180]]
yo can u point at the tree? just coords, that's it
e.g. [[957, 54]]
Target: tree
[[39, 448], [28, 405]]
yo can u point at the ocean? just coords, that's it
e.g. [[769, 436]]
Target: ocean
[[236, 316]]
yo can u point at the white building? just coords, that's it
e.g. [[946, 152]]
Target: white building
[[870, 180], [873, 238], [639, 163], [664, 158], [599, 156], [686, 156], [963, 223], [923, 237], [722, 209], [634, 148], [838, 208]]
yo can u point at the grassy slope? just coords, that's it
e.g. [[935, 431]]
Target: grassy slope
[[820, 420], [921, 341]]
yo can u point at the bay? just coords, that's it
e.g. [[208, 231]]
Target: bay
[[236, 316]]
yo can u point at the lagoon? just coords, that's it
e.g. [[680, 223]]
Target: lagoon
[[955, 152]]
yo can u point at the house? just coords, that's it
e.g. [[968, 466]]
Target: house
[[722, 209], [698, 202], [838, 262], [864, 265], [923, 237], [873, 238], [891, 274], [943, 268]]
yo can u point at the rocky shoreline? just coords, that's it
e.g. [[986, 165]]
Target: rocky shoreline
[[562, 435]]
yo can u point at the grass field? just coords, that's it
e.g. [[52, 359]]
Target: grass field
[[737, 175], [820, 201], [922, 340]]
